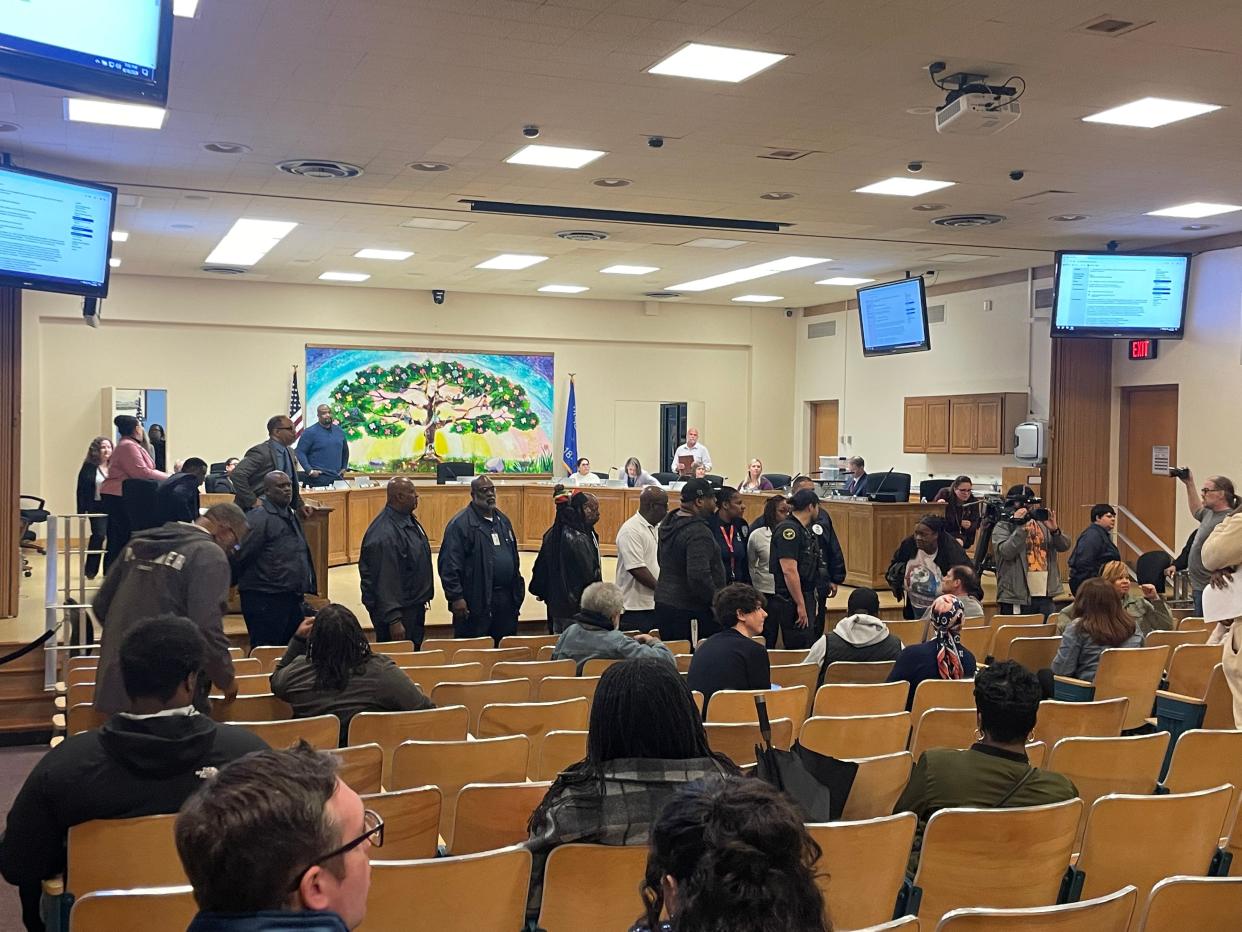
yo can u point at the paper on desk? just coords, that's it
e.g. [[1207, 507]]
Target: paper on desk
[[1223, 604]]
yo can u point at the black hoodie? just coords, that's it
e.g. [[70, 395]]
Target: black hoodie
[[691, 570]]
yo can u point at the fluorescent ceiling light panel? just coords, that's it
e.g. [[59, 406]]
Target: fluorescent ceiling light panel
[[511, 261], [716, 63], [390, 255], [1195, 209], [120, 236], [249, 241], [751, 272], [343, 277], [904, 187], [431, 223], [630, 269], [114, 263], [707, 242], [957, 257], [554, 156], [81, 110], [758, 298], [845, 280], [564, 289], [185, 7], [1151, 112]]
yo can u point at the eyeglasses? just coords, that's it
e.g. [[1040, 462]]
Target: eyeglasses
[[374, 833], [1205, 490]]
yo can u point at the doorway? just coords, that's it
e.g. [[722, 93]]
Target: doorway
[[824, 424], [674, 418], [1148, 445]]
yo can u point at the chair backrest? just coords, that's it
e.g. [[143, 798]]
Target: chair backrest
[[683, 662], [545, 652], [247, 666], [490, 656], [474, 696], [976, 639], [428, 678], [450, 765], [555, 688], [83, 717], [609, 901], [930, 488], [421, 658], [533, 719], [451, 646], [849, 671], [1218, 702], [1194, 623], [77, 663], [1132, 672], [1206, 758], [389, 729], [411, 822], [862, 867], [1035, 618], [878, 785], [800, 674], [1110, 913], [1190, 668], [267, 655], [910, 632], [596, 666], [261, 708], [464, 894], [1205, 904], [79, 693], [779, 480], [360, 767], [322, 732], [860, 699], [533, 671], [941, 694], [560, 749], [81, 675], [1143, 839], [250, 684], [676, 646], [1036, 753], [856, 736], [738, 705], [451, 471], [944, 728], [737, 740], [1037, 843], [151, 908], [392, 647], [533, 641], [1173, 639], [109, 854], [1057, 720], [778, 658], [1034, 653], [494, 815], [1004, 635]]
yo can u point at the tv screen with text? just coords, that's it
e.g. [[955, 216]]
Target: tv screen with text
[[893, 317], [1111, 295]]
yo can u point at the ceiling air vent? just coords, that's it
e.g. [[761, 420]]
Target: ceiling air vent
[[224, 270], [821, 329], [321, 169], [582, 236], [787, 155], [935, 313], [661, 295], [960, 221], [1111, 26]]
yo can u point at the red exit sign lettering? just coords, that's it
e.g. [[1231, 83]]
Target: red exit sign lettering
[[1143, 349]]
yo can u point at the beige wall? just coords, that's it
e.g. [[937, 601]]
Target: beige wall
[[224, 349]]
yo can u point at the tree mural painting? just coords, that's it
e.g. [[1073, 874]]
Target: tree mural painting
[[387, 401]]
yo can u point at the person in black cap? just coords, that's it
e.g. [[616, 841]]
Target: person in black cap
[[691, 570], [797, 565]]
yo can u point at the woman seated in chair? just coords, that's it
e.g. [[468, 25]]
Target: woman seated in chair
[[920, 562], [593, 632], [645, 741], [1100, 623], [995, 772], [329, 669], [732, 855], [1142, 603], [942, 657]]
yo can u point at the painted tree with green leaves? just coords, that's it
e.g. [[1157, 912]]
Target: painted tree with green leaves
[[431, 396]]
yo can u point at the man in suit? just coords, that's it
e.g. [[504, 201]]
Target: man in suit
[[857, 483], [272, 455], [222, 483]]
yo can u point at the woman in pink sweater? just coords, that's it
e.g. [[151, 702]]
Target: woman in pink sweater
[[130, 460]]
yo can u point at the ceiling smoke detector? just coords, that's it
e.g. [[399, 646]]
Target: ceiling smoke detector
[[320, 169], [430, 166], [224, 270], [964, 221], [582, 236], [661, 295], [227, 148], [612, 182], [778, 196], [1068, 218], [929, 207]]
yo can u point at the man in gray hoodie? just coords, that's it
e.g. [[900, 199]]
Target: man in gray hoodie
[[860, 636], [691, 569]]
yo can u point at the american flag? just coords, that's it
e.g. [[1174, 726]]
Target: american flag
[[295, 404]]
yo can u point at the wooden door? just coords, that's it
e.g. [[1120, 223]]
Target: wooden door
[[988, 430], [824, 427], [915, 426], [937, 425], [963, 425], [1148, 424]]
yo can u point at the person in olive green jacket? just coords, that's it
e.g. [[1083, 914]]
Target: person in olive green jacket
[[995, 772], [1142, 603]]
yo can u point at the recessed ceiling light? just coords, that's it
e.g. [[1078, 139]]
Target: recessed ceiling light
[[1195, 227], [758, 298], [343, 277], [564, 289], [1068, 218], [430, 166], [120, 236], [227, 148], [715, 63], [1195, 210], [138, 116], [249, 241], [630, 269], [778, 196], [957, 257], [844, 280], [114, 263], [391, 255], [6, 127], [431, 223], [920, 111], [185, 7], [707, 242], [929, 206], [511, 261], [612, 182], [904, 187], [1150, 112], [554, 156], [751, 272]]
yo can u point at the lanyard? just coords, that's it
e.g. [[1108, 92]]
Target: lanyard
[[727, 534]]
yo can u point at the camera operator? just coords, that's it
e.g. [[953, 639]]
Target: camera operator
[[1026, 540], [1209, 506]]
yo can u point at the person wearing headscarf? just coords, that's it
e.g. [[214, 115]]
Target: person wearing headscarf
[[942, 656], [568, 559]]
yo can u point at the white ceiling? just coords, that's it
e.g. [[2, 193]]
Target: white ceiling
[[382, 83]]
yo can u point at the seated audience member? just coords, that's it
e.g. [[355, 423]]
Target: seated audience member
[[860, 637], [759, 544], [1142, 603], [942, 657], [278, 842], [593, 633], [730, 530], [645, 740], [329, 668], [568, 559], [961, 511], [920, 562], [994, 773], [732, 855], [731, 659], [755, 480], [1101, 623], [962, 582], [635, 476], [146, 761], [582, 475], [700, 471], [222, 483], [1094, 547]]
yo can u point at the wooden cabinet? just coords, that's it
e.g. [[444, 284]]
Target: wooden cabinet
[[926, 423], [963, 423], [916, 426], [937, 425]]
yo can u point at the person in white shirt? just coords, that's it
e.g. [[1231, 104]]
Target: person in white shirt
[[759, 544], [638, 567], [583, 476], [691, 447]]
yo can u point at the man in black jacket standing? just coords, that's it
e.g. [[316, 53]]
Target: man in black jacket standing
[[691, 570], [177, 498], [1094, 546], [144, 762], [394, 568], [796, 564], [479, 567], [834, 556]]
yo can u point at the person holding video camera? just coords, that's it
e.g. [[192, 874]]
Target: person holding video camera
[[1026, 541], [1209, 505]]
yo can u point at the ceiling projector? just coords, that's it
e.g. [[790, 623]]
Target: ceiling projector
[[977, 115]]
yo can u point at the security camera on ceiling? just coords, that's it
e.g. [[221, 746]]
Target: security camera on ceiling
[[972, 106]]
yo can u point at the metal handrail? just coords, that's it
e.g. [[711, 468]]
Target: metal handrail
[[1134, 519], [66, 591]]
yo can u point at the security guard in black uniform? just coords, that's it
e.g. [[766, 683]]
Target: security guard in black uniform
[[796, 566]]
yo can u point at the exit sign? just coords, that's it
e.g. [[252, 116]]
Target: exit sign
[[1143, 349]]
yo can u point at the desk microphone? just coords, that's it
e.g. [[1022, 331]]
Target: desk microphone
[[875, 496]]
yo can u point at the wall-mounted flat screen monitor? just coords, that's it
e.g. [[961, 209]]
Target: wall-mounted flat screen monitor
[[1114, 295], [894, 318], [118, 49], [55, 233]]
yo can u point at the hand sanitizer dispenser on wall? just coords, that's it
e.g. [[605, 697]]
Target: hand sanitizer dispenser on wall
[[1030, 442]]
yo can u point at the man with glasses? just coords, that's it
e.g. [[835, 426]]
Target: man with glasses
[[1209, 505], [278, 842], [272, 455]]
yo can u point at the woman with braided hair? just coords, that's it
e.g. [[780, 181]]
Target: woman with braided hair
[[942, 657], [568, 559]]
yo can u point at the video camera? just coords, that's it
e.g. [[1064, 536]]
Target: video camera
[[997, 509]]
